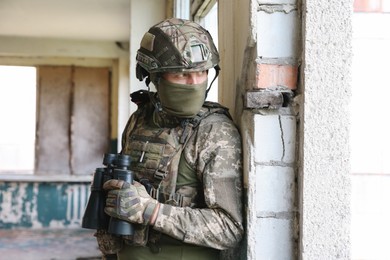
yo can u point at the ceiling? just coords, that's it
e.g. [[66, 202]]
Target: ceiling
[[106, 20]]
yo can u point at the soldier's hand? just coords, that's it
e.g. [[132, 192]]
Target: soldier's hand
[[130, 202]]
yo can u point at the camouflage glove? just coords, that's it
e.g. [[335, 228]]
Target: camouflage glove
[[129, 202]]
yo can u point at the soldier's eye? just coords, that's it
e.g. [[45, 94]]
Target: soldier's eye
[[201, 73], [180, 75]]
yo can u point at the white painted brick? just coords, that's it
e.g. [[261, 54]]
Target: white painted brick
[[275, 189], [277, 34], [276, 2], [275, 239], [270, 144]]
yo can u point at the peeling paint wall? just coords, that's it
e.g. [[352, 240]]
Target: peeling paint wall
[[42, 205]]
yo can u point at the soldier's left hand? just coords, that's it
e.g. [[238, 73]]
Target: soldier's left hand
[[130, 202]]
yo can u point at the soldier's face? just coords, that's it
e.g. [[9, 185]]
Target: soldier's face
[[182, 94], [186, 78]]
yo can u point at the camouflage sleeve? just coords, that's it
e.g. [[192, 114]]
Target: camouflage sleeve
[[215, 152]]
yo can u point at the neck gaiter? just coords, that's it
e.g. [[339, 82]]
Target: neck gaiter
[[181, 100]]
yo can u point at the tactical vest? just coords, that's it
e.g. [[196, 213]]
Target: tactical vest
[[156, 152]]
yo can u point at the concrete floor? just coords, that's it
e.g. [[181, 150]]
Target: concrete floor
[[48, 244]]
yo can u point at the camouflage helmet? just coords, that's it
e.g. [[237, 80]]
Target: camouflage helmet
[[176, 45]]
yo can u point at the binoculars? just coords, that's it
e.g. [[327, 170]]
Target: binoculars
[[116, 167]]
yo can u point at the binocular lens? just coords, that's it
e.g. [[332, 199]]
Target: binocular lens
[[94, 216]]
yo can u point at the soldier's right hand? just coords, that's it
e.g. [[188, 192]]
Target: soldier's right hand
[[130, 202]]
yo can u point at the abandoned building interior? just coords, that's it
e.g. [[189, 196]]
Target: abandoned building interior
[[305, 82]]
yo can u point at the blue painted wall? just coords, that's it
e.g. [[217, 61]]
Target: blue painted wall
[[42, 204]]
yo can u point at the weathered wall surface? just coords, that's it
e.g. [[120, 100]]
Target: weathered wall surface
[[264, 49], [324, 147], [272, 201], [42, 204]]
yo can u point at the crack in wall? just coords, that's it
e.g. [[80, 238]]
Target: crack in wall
[[282, 137]]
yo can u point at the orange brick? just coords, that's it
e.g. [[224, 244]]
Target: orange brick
[[273, 75], [368, 6]]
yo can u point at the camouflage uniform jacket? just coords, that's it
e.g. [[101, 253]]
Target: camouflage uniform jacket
[[212, 155]]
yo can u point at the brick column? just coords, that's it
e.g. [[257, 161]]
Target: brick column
[[269, 109]]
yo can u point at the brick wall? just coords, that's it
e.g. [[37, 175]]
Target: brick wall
[[269, 112]]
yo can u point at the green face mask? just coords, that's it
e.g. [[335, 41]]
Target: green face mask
[[181, 100]]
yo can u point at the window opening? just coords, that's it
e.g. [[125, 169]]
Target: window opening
[[181, 9], [370, 126], [18, 117], [210, 22]]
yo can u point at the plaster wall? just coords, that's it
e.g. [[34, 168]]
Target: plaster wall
[[236, 39], [66, 48], [149, 12], [324, 129]]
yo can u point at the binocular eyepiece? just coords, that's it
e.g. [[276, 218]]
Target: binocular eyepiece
[[116, 167]]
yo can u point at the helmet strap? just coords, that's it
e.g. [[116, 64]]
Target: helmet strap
[[156, 103], [217, 69], [147, 82]]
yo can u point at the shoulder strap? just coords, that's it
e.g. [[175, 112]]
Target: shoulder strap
[[208, 109], [213, 107]]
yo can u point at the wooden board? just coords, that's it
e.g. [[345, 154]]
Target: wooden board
[[90, 122], [73, 119], [53, 120]]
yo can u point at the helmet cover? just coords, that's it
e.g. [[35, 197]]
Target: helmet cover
[[176, 45]]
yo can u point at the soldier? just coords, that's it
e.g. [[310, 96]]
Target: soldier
[[186, 200]]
